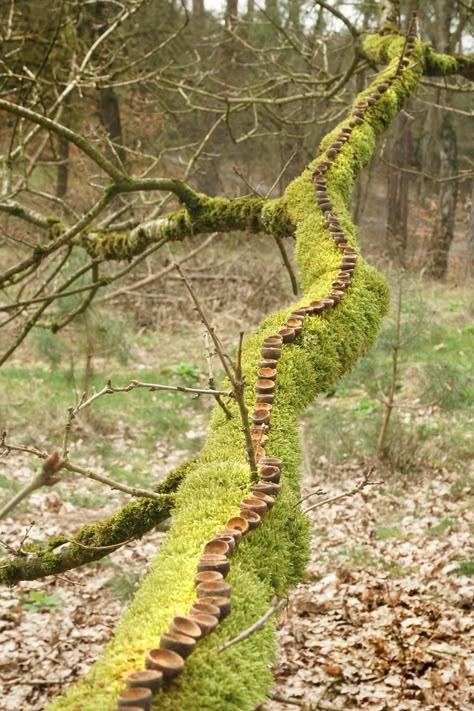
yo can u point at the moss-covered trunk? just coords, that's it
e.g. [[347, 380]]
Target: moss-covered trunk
[[273, 556]]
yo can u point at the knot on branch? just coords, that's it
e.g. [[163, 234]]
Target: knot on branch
[[51, 466]]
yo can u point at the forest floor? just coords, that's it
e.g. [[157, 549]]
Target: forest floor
[[384, 618]]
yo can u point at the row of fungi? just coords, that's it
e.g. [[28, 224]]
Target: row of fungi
[[213, 592], [167, 661]]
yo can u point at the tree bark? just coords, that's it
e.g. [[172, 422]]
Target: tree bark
[[109, 112], [470, 238], [231, 14], [397, 192], [198, 18], [95, 541], [443, 231], [63, 167]]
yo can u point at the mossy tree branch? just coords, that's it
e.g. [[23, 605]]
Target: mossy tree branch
[[202, 215], [380, 49], [274, 556], [95, 541]]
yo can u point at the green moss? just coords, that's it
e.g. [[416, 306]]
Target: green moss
[[441, 64], [250, 214], [202, 215], [274, 556], [55, 227], [131, 521], [382, 48]]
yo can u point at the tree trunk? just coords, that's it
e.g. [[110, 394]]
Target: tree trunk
[[272, 10], [107, 101], [470, 238], [109, 112], [443, 231], [198, 18], [250, 10], [294, 16], [397, 192], [63, 167], [231, 14]]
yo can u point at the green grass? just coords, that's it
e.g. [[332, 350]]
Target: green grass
[[120, 432], [466, 567], [442, 527], [362, 558], [9, 484], [29, 395], [87, 501], [435, 371], [384, 532]]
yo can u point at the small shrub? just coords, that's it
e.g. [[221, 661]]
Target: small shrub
[[39, 600]]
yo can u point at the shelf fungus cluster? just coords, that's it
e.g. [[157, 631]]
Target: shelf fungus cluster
[[213, 594]]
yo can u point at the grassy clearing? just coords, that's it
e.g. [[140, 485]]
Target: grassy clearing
[[30, 395], [130, 436], [432, 423]]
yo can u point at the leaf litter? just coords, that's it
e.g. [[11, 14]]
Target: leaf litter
[[382, 621]]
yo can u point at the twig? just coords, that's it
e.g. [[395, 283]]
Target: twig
[[316, 492], [138, 518], [233, 371], [211, 381], [256, 625], [102, 479], [355, 490], [239, 388], [340, 16], [278, 239], [98, 548], [109, 389], [159, 275], [8, 548], [287, 263], [396, 345], [47, 476], [223, 357], [67, 431]]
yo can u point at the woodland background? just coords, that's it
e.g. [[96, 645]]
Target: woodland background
[[228, 97]]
